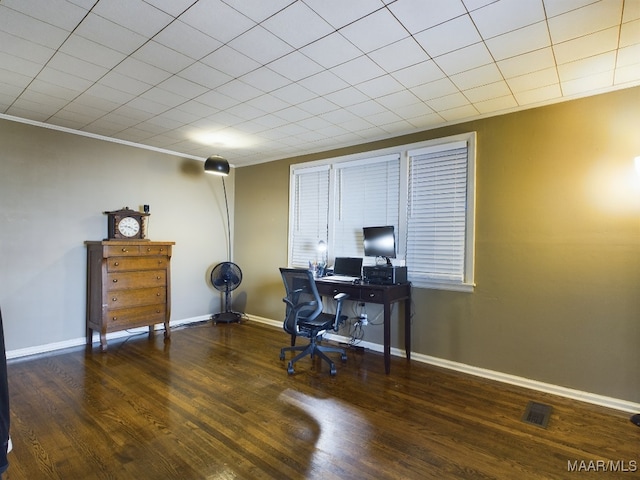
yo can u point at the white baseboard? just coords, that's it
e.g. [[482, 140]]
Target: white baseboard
[[593, 398], [75, 342]]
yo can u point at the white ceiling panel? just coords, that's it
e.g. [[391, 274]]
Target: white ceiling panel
[[289, 77]]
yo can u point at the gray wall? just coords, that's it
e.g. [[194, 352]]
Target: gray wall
[[54, 187]]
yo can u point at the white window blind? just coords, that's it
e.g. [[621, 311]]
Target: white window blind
[[366, 194], [310, 214], [437, 213]]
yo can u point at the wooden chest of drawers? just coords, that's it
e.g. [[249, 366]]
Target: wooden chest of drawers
[[128, 286]]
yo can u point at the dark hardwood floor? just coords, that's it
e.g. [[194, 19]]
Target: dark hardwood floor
[[216, 403]]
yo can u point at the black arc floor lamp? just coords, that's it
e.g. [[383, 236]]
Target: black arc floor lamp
[[225, 276]]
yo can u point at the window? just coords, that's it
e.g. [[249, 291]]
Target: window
[[425, 190]]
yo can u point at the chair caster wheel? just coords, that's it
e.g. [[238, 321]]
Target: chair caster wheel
[[343, 357], [333, 371], [281, 355], [290, 369]]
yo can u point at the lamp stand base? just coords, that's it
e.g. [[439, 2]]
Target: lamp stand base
[[226, 317]]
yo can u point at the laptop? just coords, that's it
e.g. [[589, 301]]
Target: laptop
[[346, 269]]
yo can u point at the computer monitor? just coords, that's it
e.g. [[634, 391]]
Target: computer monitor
[[379, 242]]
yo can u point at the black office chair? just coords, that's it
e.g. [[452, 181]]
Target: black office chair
[[304, 317]]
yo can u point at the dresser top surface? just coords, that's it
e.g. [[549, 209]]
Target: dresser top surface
[[126, 242]]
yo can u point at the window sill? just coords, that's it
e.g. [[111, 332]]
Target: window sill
[[435, 285]]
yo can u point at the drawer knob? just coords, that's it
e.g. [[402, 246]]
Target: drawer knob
[[114, 299], [114, 318], [116, 263], [371, 295], [148, 249], [115, 280], [124, 249], [158, 277], [158, 294]]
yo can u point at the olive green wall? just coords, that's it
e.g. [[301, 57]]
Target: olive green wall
[[557, 247]]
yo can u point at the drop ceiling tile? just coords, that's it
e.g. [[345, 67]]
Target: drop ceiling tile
[[534, 80], [507, 15], [331, 50], [627, 75], [230, 61], [258, 10], [295, 66], [427, 121], [268, 103], [347, 97], [142, 71], [630, 33], [136, 15], [484, 75], [102, 91], [397, 100], [92, 52], [226, 24], [245, 112], [418, 15], [292, 114], [582, 85], [487, 92], [399, 55], [187, 40], [358, 70], [293, 94], [496, 104], [162, 57], [107, 33], [459, 113], [54, 90], [265, 79], [205, 75], [475, 4], [260, 45], [419, 74], [628, 56], [448, 102], [197, 109], [586, 46], [585, 20], [435, 89], [149, 105], [414, 110], [558, 7], [323, 83], [587, 67], [298, 25], [29, 110], [182, 87], [464, 59], [172, 7], [318, 106], [75, 66], [25, 49], [366, 109], [59, 13], [380, 86], [124, 83], [239, 90], [19, 65], [387, 30], [48, 102], [341, 116], [518, 42], [449, 36], [340, 13], [527, 63], [29, 28]]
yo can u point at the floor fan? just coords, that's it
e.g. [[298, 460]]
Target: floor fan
[[226, 277]]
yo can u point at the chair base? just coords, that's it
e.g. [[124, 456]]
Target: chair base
[[313, 349]]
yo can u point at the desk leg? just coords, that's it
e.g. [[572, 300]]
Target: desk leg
[[387, 337], [407, 328]]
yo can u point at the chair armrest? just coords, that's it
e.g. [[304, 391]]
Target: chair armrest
[[341, 297]]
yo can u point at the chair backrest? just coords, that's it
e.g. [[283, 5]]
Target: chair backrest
[[303, 300]]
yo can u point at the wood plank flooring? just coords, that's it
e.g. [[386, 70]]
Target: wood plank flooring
[[215, 402]]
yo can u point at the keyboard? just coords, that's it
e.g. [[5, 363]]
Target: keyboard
[[341, 278]]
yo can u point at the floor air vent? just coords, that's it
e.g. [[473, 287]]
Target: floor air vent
[[537, 414]]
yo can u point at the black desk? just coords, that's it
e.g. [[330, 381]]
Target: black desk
[[381, 294]]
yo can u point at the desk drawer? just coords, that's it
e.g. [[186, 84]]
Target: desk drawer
[[372, 295]]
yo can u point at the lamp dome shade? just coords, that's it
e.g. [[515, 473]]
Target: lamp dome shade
[[216, 165]]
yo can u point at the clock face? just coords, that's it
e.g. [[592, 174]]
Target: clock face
[[128, 227]]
